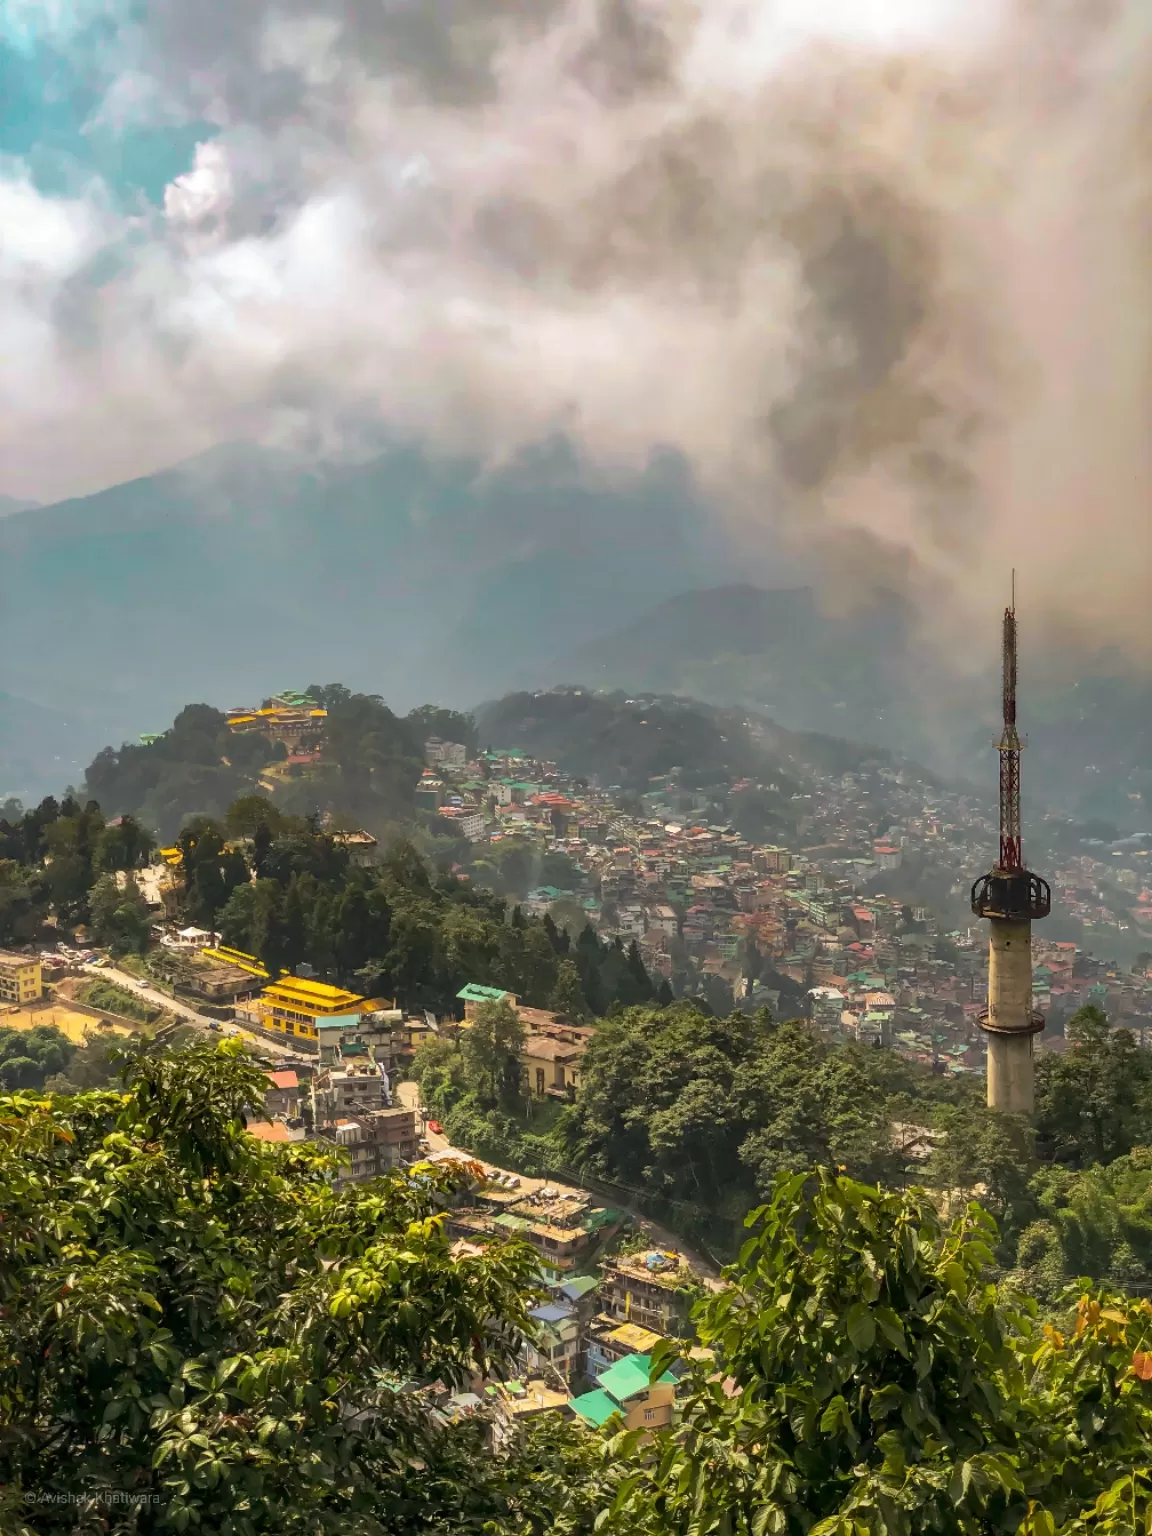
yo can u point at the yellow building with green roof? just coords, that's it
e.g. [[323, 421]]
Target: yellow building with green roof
[[294, 1006]]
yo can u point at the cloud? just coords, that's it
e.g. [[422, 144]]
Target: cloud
[[877, 267]]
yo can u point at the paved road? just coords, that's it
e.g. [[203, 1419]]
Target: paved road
[[409, 1095], [182, 1010]]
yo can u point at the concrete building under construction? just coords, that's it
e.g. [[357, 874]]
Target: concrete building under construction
[[1012, 898]]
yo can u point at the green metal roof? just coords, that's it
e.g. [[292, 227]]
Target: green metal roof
[[475, 993], [513, 1223], [601, 1216], [595, 1407], [629, 1376], [581, 1284]]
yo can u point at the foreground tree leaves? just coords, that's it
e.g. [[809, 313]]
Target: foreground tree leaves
[[197, 1333], [868, 1379]]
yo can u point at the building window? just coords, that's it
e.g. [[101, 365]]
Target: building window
[[649, 1415]]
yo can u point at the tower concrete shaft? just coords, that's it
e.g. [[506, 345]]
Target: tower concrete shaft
[[1012, 898], [1010, 1023]]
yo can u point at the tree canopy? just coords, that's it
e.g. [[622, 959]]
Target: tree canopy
[[200, 1333], [866, 1377]]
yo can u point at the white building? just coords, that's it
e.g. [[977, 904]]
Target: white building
[[445, 754]]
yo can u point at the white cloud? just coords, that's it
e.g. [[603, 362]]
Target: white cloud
[[203, 195]]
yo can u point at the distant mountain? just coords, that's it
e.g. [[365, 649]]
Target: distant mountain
[[773, 651], [37, 750], [10, 504], [865, 677], [245, 572]]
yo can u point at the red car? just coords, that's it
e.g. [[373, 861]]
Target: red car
[[435, 1127]]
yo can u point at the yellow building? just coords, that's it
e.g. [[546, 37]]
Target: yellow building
[[20, 980], [293, 1005]]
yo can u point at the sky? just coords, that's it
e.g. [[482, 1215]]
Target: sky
[[877, 268]]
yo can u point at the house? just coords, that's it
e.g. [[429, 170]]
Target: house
[[282, 1095], [468, 821], [361, 847], [655, 1289], [624, 1388], [375, 1142], [276, 1132], [21, 979], [513, 1401], [445, 754], [556, 1346], [827, 1005], [607, 1340], [352, 1087], [550, 1065], [473, 995], [295, 1006], [561, 1224]]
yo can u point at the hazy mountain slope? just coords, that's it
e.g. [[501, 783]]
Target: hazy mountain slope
[[769, 650], [37, 750], [241, 573], [626, 740], [1089, 722]]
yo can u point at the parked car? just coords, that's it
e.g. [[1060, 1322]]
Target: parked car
[[435, 1127]]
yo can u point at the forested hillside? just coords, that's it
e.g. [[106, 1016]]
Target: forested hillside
[[280, 888], [870, 677]]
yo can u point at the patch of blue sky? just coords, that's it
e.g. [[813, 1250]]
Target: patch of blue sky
[[65, 111]]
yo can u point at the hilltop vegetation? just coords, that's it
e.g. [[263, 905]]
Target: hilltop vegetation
[[240, 1347], [370, 759], [369, 764]]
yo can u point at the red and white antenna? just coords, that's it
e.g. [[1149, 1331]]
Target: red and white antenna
[[1011, 854]]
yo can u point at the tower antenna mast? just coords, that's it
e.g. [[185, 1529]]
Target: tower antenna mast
[[1011, 853]]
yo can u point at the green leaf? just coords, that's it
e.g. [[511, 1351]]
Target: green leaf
[[861, 1326], [836, 1416]]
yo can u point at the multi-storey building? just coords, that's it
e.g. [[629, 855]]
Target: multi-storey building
[[655, 1289], [21, 980], [295, 1006]]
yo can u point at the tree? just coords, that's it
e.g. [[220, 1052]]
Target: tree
[[875, 1381], [199, 1333], [448, 724], [988, 1156], [212, 871], [567, 995], [439, 1068], [119, 918], [492, 1045], [1094, 1100], [124, 845], [28, 1057]]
